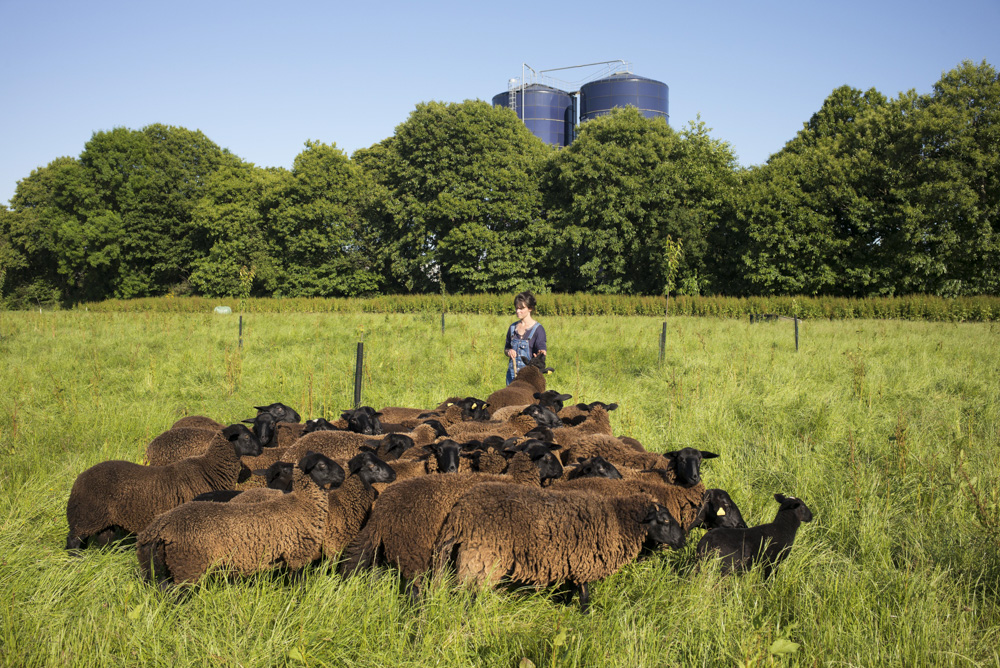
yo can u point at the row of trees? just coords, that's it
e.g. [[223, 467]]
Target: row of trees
[[874, 196]]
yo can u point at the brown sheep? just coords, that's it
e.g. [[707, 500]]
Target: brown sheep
[[521, 391], [407, 516], [547, 536], [116, 497], [184, 543]]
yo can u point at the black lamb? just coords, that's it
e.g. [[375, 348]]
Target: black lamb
[[740, 549]]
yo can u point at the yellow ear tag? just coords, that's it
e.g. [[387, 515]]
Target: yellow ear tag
[[474, 406], [449, 404], [721, 512]]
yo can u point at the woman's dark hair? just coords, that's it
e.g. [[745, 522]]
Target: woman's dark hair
[[525, 299]]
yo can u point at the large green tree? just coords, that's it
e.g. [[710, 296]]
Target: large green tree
[[66, 244], [949, 163], [147, 183], [466, 210], [624, 191], [325, 245], [232, 221]]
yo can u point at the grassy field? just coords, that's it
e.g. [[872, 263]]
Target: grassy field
[[889, 430]]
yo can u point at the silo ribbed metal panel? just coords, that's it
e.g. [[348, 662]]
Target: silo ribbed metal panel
[[546, 111], [649, 96]]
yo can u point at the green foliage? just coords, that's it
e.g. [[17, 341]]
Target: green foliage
[[323, 244], [466, 203], [624, 187], [147, 184]]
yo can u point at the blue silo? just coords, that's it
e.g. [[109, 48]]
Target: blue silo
[[649, 96], [548, 112]]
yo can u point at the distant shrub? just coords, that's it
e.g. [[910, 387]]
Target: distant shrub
[[913, 307]]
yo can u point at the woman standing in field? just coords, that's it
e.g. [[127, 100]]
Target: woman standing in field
[[526, 337]]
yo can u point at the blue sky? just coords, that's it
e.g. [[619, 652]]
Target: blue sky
[[262, 78]]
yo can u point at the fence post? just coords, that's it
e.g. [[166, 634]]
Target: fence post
[[442, 322], [796, 334], [241, 331], [359, 365]]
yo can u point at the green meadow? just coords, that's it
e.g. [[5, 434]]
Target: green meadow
[[888, 430]]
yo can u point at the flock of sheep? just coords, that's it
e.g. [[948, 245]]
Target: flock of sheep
[[518, 488]]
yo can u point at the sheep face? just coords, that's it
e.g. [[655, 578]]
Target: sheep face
[[662, 528], [244, 441], [595, 467], [325, 472], [543, 416], [280, 412], [392, 446], [370, 468], [718, 511], [552, 400], [549, 466], [687, 464], [539, 363], [319, 424], [438, 428], [265, 427], [278, 476], [542, 434], [363, 420], [800, 509], [474, 409], [447, 455]]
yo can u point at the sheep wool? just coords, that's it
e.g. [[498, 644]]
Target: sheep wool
[[120, 495], [541, 536], [406, 518], [348, 507], [199, 422], [185, 543], [585, 446], [179, 443], [683, 503]]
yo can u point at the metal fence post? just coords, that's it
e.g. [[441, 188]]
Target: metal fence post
[[359, 365]]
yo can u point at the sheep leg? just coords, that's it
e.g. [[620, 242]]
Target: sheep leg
[[74, 544], [581, 588]]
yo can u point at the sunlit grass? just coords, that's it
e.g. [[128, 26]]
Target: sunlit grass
[[889, 430]]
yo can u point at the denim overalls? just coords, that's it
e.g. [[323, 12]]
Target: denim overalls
[[521, 347]]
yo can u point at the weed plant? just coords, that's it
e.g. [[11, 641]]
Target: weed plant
[[888, 430]]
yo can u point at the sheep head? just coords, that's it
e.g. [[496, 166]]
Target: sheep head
[[687, 465]]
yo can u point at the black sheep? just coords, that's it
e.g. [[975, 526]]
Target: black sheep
[[740, 549]]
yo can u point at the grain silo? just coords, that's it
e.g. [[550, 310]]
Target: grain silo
[[622, 89], [548, 112]]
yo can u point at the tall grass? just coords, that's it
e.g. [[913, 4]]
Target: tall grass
[[888, 430]]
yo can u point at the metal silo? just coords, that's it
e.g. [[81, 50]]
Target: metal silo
[[622, 89], [548, 112]]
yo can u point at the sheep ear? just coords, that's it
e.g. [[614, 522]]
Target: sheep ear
[[247, 421], [780, 498], [537, 395], [564, 397], [260, 472], [610, 407], [705, 454], [672, 454]]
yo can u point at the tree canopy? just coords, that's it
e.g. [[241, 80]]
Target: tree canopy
[[873, 196]]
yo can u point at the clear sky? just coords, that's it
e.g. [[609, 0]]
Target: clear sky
[[261, 78]]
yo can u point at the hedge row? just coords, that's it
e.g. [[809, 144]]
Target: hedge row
[[916, 307]]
